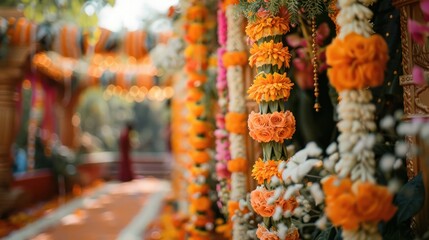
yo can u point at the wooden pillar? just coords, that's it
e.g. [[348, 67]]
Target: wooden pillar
[[11, 73], [416, 99]]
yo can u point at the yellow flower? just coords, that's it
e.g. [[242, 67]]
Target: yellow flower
[[270, 87], [265, 27], [265, 170], [269, 53]]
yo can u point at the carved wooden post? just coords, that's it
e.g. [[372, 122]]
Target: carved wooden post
[[11, 73], [416, 98]]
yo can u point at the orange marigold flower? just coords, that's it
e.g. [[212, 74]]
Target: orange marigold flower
[[357, 62], [269, 53], [197, 12], [230, 59], [232, 207], [374, 203], [342, 212], [194, 95], [196, 52], [236, 122], [270, 87], [237, 165], [265, 170], [196, 188], [200, 127], [195, 109], [264, 234], [265, 27], [195, 32], [202, 204], [333, 187], [199, 157], [200, 142]]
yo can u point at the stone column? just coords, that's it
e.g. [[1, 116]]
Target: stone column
[[416, 99], [11, 73]]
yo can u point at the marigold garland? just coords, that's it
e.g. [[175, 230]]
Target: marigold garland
[[350, 204], [264, 170], [276, 126], [265, 27], [357, 62], [199, 157], [263, 233], [196, 13], [237, 165], [236, 122], [234, 59], [272, 53], [270, 87]]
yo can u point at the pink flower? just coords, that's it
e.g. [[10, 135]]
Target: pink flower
[[424, 5], [418, 75], [222, 170], [418, 31]]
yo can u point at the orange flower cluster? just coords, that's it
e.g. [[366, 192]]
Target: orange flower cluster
[[196, 52], [270, 87], [259, 201], [231, 59], [197, 188], [350, 204], [236, 122], [265, 27], [276, 126], [200, 127], [265, 170], [264, 234], [195, 32], [195, 108], [200, 143], [272, 53], [357, 62], [199, 157], [196, 13], [237, 165]]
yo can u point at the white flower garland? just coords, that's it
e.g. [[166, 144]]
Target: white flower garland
[[356, 113], [237, 103]]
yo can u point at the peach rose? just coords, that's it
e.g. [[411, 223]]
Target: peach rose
[[257, 121], [263, 234], [264, 135], [277, 119], [258, 200], [342, 212], [374, 202]]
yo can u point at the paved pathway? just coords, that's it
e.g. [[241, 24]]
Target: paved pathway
[[115, 211]]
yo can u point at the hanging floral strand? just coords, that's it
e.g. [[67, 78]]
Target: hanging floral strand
[[354, 201], [272, 125], [222, 137], [234, 59], [201, 216]]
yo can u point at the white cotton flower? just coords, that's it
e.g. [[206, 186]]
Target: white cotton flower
[[299, 157], [313, 150], [282, 231], [282, 166], [401, 149], [242, 204], [297, 212], [278, 212], [407, 129], [316, 193], [394, 185], [386, 163], [291, 190], [287, 214], [370, 141], [274, 181], [397, 164], [321, 222], [306, 218], [387, 122], [299, 172], [424, 132], [331, 148]]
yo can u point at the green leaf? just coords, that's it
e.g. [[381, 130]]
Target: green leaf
[[410, 199], [264, 107], [327, 234]]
